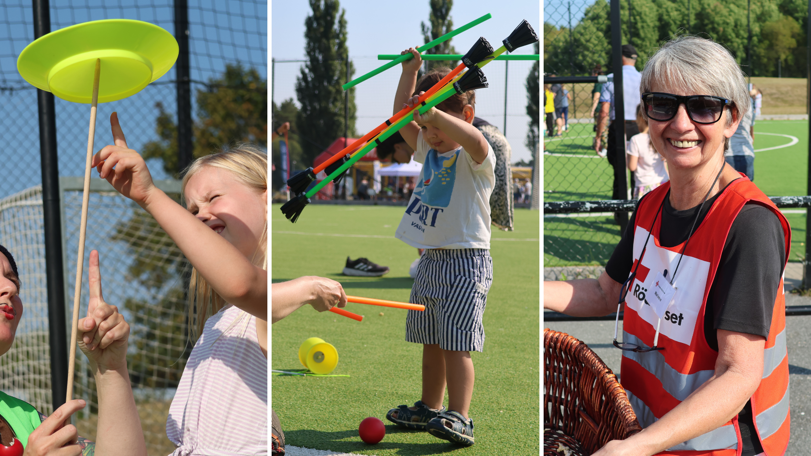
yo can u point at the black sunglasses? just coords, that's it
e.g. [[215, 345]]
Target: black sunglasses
[[702, 109]]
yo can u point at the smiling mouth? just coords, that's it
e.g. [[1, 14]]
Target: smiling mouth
[[684, 144], [218, 229]]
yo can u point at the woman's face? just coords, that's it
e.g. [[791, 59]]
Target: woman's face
[[11, 307], [684, 143]]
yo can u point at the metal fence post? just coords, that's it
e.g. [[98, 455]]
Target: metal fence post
[[620, 185], [506, 71], [57, 325], [184, 126]]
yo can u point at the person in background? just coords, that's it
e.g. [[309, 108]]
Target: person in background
[[642, 158], [595, 108], [741, 151], [549, 109]]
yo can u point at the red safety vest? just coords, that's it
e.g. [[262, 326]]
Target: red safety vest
[[658, 381]]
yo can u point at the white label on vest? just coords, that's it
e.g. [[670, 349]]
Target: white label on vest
[[660, 293], [679, 320]]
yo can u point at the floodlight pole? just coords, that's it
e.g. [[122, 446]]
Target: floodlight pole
[[620, 191], [54, 272]]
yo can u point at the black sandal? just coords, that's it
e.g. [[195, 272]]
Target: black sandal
[[414, 419], [452, 426]]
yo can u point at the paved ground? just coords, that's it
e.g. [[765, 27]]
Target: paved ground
[[599, 334]]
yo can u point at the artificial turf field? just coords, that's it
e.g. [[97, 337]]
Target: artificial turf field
[[324, 413], [571, 172]]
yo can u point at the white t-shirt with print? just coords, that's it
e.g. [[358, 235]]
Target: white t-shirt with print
[[450, 207]]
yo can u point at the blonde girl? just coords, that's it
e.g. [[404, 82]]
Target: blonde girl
[[221, 403], [642, 159]]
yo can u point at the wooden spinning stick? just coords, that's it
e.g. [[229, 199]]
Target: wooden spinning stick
[[77, 292]]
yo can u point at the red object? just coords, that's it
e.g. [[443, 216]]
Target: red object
[[340, 311], [371, 430], [16, 448]]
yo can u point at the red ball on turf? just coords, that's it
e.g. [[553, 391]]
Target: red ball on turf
[[371, 430]]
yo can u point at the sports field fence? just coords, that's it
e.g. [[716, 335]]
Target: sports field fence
[[142, 271]]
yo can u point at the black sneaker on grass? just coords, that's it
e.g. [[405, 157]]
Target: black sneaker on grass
[[362, 267]]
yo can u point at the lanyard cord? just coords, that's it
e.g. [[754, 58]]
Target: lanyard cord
[[698, 214]]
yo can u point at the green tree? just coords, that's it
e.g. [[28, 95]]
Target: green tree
[[643, 31], [779, 40], [577, 52], [440, 24], [318, 86], [533, 110], [231, 109]]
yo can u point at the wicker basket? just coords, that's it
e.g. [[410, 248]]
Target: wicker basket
[[584, 405]]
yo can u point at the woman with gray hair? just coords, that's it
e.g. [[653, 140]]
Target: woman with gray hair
[[699, 273]]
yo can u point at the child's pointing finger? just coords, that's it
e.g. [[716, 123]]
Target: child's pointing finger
[[118, 133]]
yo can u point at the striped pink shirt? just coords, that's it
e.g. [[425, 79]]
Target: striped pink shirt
[[220, 407]]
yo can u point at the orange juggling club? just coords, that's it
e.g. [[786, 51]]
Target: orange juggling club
[[384, 303], [346, 313]]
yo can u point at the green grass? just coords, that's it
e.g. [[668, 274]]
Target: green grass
[[324, 413], [570, 174]]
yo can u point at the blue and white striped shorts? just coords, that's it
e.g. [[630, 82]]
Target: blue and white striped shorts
[[452, 285]]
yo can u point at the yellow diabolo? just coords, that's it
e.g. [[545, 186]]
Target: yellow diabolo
[[95, 62], [318, 356]]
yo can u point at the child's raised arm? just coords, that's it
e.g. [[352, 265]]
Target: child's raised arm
[[408, 80], [228, 271], [462, 132], [103, 336]]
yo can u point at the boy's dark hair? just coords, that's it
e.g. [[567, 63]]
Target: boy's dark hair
[[455, 103], [385, 149]]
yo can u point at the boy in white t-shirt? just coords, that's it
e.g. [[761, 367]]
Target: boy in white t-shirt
[[448, 216]]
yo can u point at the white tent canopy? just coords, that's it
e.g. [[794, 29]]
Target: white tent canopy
[[409, 169]]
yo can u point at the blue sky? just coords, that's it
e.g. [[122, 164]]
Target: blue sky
[[390, 27]]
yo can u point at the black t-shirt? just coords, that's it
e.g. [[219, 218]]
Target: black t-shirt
[[742, 294]]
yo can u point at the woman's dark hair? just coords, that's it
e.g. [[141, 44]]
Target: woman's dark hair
[[5, 252], [385, 149], [455, 103]]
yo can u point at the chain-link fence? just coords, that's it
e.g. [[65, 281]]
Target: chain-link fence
[[226, 47], [577, 43]]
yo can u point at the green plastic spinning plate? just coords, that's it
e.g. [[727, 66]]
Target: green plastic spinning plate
[[132, 54]]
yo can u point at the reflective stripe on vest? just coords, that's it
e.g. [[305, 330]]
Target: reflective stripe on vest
[[722, 438]]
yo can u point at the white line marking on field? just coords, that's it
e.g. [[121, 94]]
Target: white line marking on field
[[588, 214], [562, 138], [794, 141], [377, 236], [299, 451], [610, 214]]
